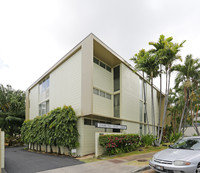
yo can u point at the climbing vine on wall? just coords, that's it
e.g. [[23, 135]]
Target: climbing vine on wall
[[57, 128]]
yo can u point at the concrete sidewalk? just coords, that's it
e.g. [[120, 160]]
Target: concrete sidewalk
[[127, 164]]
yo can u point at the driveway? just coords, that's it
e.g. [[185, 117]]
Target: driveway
[[21, 161]]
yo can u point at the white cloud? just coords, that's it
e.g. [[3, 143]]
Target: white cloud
[[3, 65], [36, 34]]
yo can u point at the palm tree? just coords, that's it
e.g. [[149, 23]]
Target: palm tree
[[186, 75], [147, 62], [167, 51]]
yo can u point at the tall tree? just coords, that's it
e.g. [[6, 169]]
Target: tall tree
[[167, 51], [12, 109], [186, 76], [147, 62]]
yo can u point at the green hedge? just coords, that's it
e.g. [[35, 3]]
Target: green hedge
[[114, 144], [147, 140], [57, 128]]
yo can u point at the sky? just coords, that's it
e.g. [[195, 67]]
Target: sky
[[35, 34]]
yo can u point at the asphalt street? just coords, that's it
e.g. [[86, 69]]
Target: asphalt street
[[19, 160]]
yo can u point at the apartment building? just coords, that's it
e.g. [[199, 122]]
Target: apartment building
[[100, 86]]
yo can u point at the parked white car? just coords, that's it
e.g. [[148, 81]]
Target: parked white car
[[181, 157]]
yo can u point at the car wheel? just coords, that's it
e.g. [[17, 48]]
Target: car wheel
[[198, 168]]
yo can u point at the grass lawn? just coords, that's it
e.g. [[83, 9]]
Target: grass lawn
[[142, 150]]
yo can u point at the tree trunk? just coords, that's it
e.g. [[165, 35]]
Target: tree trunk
[[160, 103], [166, 103], [145, 107], [59, 150], [183, 113], [196, 128], [187, 106], [197, 111], [152, 104], [180, 125]]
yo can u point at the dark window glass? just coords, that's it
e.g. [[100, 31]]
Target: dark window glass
[[95, 91], [108, 68], [117, 78], [94, 122], [102, 94], [116, 130], [102, 64], [117, 105], [96, 61], [108, 96], [87, 121]]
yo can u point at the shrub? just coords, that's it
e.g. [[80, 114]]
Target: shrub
[[147, 140], [174, 137], [114, 144]]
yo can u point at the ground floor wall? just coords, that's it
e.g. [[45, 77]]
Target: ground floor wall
[[87, 131]]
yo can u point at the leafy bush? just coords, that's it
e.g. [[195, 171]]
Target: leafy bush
[[174, 137], [114, 144], [57, 128], [147, 140]]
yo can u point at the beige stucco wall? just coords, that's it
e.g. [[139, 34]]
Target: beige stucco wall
[[102, 79], [86, 76], [131, 127], [130, 98], [34, 105], [129, 94], [65, 84], [87, 137], [102, 106]]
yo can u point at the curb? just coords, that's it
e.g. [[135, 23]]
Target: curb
[[141, 169]]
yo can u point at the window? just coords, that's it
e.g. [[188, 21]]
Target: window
[[108, 68], [108, 96], [101, 64], [44, 90], [95, 91], [87, 121], [44, 108], [116, 78], [102, 94], [94, 122], [96, 61], [117, 105], [44, 85]]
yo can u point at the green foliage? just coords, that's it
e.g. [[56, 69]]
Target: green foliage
[[114, 144], [12, 110], [174, 137], [147, 140], [57, 128]]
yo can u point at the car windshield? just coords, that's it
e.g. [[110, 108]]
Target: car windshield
[[187, 143]]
